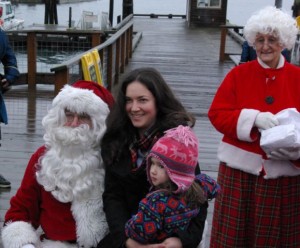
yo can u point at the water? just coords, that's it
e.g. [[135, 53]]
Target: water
[[238, 11]]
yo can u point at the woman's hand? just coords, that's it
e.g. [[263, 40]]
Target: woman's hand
[[130, 243], [168, 243], [285, 154]]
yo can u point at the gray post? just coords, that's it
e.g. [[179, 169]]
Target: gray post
[[70, 17], [278, 4], [111, 12]]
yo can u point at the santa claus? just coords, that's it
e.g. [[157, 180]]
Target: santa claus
[[59, 203]]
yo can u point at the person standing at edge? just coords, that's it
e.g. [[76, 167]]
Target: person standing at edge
[[145, 107], [11, 73], [260, 201], [61, 191]]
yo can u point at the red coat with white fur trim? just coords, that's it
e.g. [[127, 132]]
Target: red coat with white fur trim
[[238, 100], [33, 207]]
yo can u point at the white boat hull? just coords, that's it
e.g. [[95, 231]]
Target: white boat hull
[[7, 17]]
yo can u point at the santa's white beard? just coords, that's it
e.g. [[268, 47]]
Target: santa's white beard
[[72, 166]]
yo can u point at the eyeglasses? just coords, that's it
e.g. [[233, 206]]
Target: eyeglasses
[[271, 41], [81, 118]]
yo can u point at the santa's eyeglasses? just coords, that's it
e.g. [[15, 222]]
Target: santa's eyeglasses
[[82, 118]]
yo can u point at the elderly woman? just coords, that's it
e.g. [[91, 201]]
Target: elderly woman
[[260, 201]]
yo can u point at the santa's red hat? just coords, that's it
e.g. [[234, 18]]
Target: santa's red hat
[[100, 91]]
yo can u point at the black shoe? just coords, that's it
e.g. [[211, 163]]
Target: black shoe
[[4, 183]]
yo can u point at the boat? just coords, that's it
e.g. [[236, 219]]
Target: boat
[[7, 17]]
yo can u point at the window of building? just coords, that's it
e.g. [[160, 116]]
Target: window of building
[[209, 4]]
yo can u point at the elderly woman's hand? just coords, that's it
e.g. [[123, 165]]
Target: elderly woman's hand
[[285, 154], [265, 120]]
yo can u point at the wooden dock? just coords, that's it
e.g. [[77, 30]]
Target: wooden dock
[[187, 58]]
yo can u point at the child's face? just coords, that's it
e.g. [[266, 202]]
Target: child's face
[[158, 174]]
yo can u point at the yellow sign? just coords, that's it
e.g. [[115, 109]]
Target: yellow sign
[[91, 67]]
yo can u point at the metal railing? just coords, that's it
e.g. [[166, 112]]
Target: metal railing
[[115, 53], [50, 54], [40, 48], [235, 32]]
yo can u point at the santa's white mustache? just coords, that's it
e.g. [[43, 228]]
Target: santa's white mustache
[[72, 136]]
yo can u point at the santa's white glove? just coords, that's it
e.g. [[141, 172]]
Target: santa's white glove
[[285, 154], [28, 246], [265, 120]]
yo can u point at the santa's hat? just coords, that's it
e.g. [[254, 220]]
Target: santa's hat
[[85, 97], [100, 91], [177, 151]]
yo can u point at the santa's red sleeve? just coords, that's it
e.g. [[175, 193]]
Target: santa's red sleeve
[[22, 218]]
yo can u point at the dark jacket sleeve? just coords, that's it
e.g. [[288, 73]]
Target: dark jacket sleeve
[[116, 210], [245, 53], [8, 59], [248, 53], [193, 236]]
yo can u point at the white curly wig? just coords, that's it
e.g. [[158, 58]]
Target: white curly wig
[[271, 20]]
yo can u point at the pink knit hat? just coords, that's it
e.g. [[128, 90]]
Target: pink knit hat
[[177, 151]]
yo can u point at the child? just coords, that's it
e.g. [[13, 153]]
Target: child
[[177, 193]]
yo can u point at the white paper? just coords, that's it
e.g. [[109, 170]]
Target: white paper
[[285, 135]]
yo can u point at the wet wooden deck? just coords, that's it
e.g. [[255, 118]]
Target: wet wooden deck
[[187, 58]]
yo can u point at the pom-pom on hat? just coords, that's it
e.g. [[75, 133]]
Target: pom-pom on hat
[[177, 151]]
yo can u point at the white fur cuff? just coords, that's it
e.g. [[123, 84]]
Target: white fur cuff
[[19, 233]]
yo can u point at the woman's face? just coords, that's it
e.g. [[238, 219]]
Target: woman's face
[[268, 49], [140, 106]]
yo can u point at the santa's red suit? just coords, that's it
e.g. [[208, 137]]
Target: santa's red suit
[[59, 203]]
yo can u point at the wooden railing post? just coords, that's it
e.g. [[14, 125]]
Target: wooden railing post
[[129, 44], [223, 43], [96, 39], [123, 51], [110, 67], [61, 78], [31, 59], [118, 61]]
